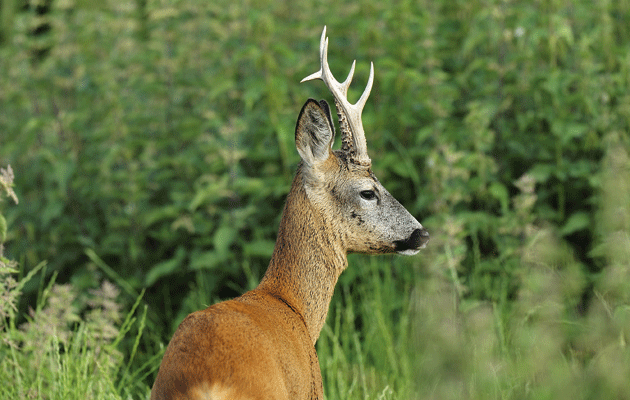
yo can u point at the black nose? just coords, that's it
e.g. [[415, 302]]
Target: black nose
[[417, 239]]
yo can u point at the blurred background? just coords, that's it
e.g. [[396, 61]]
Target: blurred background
[[152, 147]]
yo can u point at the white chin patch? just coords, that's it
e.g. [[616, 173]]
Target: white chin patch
[[409, 252]]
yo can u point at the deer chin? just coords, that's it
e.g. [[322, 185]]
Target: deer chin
[[410, 252]]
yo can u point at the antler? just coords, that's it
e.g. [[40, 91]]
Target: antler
[[352, 134]]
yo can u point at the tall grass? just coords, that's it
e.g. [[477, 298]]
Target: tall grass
[[154, 149], [67, 347], [388, 340], [385, 337], [363, 348], [547, 343]]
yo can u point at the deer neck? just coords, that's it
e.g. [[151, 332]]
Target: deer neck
[[307, 260]]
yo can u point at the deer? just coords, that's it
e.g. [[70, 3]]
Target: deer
[[261, 345]]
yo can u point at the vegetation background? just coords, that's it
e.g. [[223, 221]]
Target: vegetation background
[[151, 146]]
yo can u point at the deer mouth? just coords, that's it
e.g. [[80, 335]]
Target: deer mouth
[[416, 241]]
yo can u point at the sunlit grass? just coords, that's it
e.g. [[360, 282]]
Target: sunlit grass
[[201, 109], [67, 345], [68, 348], [386, 337], [550, 342]]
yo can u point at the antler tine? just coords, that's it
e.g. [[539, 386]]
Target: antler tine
[[346, 84], [323, 49], [326, 75], [349, 114], [366, 93]]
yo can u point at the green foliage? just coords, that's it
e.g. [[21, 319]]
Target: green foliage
[[364, 347], [69, 348], [9, 288], [546, 344], [154, 147], [69, 345]]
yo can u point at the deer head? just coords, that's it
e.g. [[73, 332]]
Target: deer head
[[340, 184]]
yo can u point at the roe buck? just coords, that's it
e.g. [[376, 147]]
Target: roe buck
[[261, 344]]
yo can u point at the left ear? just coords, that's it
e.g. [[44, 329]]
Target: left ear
[[314, 132]]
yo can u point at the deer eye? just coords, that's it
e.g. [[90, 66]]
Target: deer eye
[[367, 194]]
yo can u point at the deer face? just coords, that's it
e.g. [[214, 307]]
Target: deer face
[[376, 222], [366, 217], [341, 184]]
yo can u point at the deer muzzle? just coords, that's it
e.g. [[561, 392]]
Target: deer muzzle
[[416, 241]]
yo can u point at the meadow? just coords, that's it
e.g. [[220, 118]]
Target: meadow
[[146, 148]]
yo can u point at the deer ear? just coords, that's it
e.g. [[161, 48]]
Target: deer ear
[[314, 132]]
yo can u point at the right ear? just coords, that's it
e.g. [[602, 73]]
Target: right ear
[[314, 132]]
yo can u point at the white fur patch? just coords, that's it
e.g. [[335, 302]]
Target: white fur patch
[[216, 392]]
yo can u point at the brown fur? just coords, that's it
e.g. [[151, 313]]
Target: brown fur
[[261, 344]]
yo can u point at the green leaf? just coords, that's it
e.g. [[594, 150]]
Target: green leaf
[[165, 268], [542, 172], [259, 248], [3, 229], [576, 222], [568, 131], [223, 239], [210, 193], [499, 192], [206, 260]]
